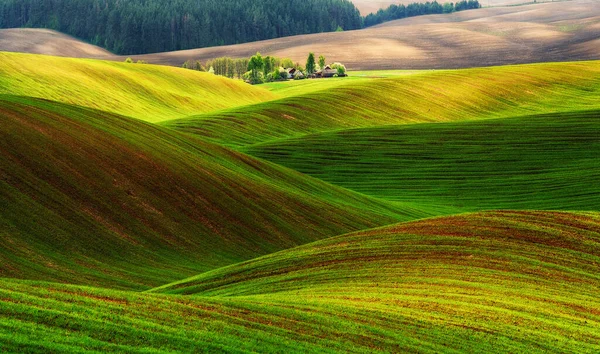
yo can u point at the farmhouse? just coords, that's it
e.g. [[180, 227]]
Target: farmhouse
[[291, 72], [328, 72]]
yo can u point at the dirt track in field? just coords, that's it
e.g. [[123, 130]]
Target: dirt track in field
[[555, 31]]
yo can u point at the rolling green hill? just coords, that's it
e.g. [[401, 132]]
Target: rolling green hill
[[428, 97], [488, 282], [94, 198], [273, 226], [547, 161], [148, 92]]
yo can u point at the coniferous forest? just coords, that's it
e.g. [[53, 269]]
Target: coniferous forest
[[149, 26], [146, 26]]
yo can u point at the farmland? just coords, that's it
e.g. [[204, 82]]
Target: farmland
[[136, 90], [533, 162], [540, 32], [428, 97], [146, 208], [430, 286]]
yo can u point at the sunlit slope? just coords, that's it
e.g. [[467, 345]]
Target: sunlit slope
[[493, 282], [93, 198], [428, 97], [146, 92], [488, 282], [534, 162]]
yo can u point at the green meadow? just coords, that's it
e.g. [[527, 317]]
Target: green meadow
[[547, 161], [428, 97], [151, 209]]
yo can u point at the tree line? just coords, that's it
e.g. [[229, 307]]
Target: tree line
[[395, 12], [258, 69], [147, 26]]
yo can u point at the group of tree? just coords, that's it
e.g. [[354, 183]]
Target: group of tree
[[146, 26], [395, 12], [258, 69], [228, 67]]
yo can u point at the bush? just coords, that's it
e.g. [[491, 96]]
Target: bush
[[341, 69], [128, 60], [283, 75], [254, 79]]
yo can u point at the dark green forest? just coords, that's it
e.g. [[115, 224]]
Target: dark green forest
[[149, 26], [146, 26]]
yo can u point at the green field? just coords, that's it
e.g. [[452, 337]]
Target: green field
[[432, 286], [534, 162], [429, 97], [150, 93], [66, 168], [155, 209]]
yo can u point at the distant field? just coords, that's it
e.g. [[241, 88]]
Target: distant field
[[43, 41], [535, 162], [555, 31], [149, 93], [552, 31], [368, 6], [426, 97]]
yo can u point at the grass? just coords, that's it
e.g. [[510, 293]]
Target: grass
[[147, 92], [117, 235], [98, 199], [490, 282], [535, 162], [429, 97], [470, 283], [293, 88]]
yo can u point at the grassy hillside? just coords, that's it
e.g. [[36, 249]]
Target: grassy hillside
[[147, 92], [533, 162], [489, 282], [93, 198], [427, 97]]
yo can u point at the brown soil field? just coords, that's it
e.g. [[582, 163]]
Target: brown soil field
[[553, 31], [556, 31], [367, 6], [43, 41]]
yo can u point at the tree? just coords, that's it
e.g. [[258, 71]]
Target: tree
[[128, 60], [341, 69], [287, 63], [310, 64], [255, 67], [256, 63], [198, 66], [339, 29], [321, 62]]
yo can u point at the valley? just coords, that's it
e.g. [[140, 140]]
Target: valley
[[450, 204]]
